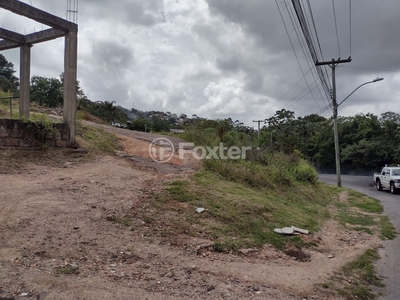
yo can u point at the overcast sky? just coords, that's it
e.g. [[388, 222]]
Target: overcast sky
[[223, 58]]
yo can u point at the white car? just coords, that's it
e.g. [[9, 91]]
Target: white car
[[388, 178]]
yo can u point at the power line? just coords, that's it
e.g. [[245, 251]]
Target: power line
[[317, 38], [312, 26], [287, 92], [334, 16], [350, 23], [307, 36], [294, 51], [311, 39], [315, 28], [311, 66], [304, 52]]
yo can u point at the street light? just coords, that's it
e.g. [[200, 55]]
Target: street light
[[335, 130], [375, 80]]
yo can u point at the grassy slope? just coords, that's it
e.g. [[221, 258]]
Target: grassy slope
[[239, 215]]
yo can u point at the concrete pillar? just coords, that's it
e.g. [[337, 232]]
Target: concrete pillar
[[70, 70], [25, 77]]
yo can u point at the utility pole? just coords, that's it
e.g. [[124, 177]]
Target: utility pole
[[333, 63], [259, 121]]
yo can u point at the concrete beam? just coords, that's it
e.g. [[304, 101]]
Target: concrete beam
[[11, 36], [43, 36], [33, 38], [38, 15], [5, 45]]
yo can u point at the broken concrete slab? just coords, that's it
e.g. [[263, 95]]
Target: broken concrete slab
[[303, 231], [291, 230], [284, 230]]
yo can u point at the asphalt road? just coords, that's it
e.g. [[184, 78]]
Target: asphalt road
[[389, 265]]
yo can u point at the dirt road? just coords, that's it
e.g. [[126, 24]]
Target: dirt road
[[71, 229]]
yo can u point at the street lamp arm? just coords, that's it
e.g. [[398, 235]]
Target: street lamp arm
[[375, 80]]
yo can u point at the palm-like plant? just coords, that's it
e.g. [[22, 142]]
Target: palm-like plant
[[110, 109]]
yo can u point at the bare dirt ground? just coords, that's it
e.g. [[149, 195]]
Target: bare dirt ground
[[62, 236]]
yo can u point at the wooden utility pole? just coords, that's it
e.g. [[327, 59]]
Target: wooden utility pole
[[259, 121], [333, 63]]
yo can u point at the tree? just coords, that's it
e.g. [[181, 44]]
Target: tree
[[141, 124], [281, 131], [160, 125], [46, 91], [110, 108], [8, 81]]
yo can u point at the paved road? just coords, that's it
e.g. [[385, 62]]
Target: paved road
[[389, 265]]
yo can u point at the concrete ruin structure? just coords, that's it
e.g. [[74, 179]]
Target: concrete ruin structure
[[59, 28]]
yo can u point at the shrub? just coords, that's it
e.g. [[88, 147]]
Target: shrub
[[303, 171]]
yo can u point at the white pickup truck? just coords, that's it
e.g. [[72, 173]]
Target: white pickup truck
[[388, 178]]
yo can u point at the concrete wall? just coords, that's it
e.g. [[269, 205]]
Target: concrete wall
[[18, 134]]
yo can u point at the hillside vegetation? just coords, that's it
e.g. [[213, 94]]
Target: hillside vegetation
[[245, 199]]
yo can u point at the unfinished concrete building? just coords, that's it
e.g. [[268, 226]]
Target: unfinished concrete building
[[59, 28]]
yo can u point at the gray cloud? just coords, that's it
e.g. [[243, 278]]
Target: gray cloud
[[111, 57], [221, 58]]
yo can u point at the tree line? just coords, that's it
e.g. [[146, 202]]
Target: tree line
[[367, 142]]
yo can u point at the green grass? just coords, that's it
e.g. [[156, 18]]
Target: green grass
[[96, 140], [238, 215], [365, 203], [5, 107], [362, 212], [355, 279], [387, 229], [366, 229], [355, 218]]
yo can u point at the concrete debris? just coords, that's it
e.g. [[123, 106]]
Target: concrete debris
[[247, 251], [284, 230], [200, 210], [303, 231], [291, 230]]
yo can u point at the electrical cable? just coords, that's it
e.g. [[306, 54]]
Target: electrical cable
[[304, 52], [350, 23], [306, 32], [334, 16], [304, 74]]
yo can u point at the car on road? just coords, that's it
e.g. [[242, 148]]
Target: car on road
[[388, 178]]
